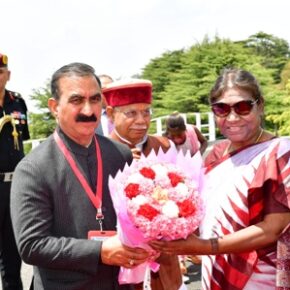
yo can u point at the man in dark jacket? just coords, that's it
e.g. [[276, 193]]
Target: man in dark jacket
[[60, 194]]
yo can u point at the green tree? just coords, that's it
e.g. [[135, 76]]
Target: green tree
[[277, 110], [275, 51], [160, 69], [277, 96], [42, 124], [188, 83], [189, 86], [285, 75], [182, 79]]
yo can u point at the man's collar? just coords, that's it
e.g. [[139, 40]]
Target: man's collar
[[74, 146], [138, 145]]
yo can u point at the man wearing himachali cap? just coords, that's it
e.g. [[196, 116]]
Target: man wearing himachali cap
[[129, 108]]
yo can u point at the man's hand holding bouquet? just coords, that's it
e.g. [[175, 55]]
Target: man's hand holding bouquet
[[156, 197]]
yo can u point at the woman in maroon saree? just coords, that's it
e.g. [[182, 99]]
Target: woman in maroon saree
[[247, 194]]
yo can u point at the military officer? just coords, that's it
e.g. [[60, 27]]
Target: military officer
[[13, 130]]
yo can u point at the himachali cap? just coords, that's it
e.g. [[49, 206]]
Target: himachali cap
[[3, 60], [126, 92]]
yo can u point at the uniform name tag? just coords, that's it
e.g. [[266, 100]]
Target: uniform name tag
[[8, 176]]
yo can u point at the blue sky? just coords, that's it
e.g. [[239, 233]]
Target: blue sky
[[119, 37]]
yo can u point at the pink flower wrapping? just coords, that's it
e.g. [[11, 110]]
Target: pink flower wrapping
[[157, 197]]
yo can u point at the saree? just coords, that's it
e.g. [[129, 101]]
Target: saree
[[240, 188], [283, 260]]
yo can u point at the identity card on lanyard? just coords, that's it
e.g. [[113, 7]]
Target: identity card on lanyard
[[96, 198]]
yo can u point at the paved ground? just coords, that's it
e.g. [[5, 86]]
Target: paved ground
[[26, 274], [193, 274]]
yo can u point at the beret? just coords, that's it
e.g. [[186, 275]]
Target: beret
[[3, 60]]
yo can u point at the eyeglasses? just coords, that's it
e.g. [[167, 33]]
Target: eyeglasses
[[242, 108], [133, 114]]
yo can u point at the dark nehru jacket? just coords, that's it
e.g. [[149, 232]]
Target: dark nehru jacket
[[52, 214]]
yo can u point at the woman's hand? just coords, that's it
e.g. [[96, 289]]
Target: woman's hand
[[248, 239], [191, 246]]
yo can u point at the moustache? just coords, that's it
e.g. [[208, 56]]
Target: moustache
[[84, 118]]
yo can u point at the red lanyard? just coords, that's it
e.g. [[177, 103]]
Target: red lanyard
[[96, 199]]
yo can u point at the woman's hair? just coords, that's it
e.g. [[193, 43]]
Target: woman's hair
[[235, 78], [175, 123]]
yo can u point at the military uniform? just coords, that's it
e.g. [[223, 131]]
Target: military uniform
[[13, 130]]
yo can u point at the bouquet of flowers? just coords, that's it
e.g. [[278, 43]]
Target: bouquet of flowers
[[156, 197]]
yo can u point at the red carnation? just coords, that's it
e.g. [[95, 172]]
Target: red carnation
[[174, 178], [132, 190], [147, 172], [186, 208], [148, 211]]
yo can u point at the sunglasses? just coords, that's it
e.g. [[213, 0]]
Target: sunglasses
[[242, 108]]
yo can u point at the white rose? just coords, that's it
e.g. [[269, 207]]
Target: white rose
[[160, 170], [170, 209], [181, 189], [135, 178], [139, 200]]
